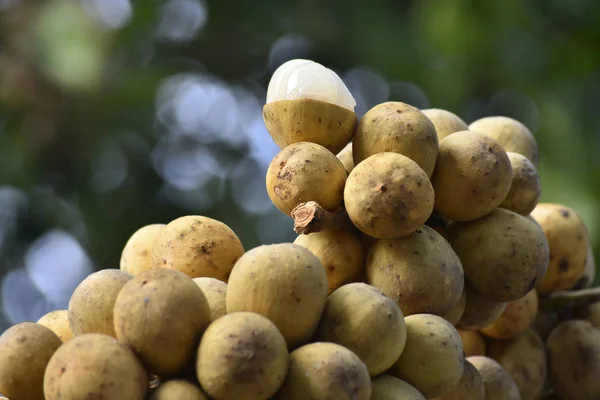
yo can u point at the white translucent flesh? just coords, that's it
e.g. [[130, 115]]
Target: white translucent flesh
[[301, 79]]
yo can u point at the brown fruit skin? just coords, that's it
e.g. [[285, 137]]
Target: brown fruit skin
[[434, 287], [387, 387], [25, 350], [592, 314], [517, 316], [58, 322], [178, 390], [166, 348], [511, 134], [345, 156], [325, 371], [470, 386], [136, 256], [197, 246], [524, 358], [525, 189], [388, 196], [544, 323], [433, 360], [304, 172], [309, 120], [472, 176], [456, 312], [568, 241], [365, 321], [479, 311], [498, 383], [215, 292], [473, 343], [242, 355], [573, 350], [400, 128], [504, 254], [341, 253], [95, 366], [445, 122], [285, 283], [91, 304]]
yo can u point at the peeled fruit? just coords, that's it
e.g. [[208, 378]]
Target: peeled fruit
[[136, 256], [456, 312], [307, 102], [498, 383], [511, 134], [197, 246], [215, 292], [573, 350], [524, 358], [400, 128], [95, 366], [517, 316], [285, 283], [58, 322], [340, 252], [345, 156], [420, 272], [470, 386], [473, 343], [242, 355], [472, 176], [166, 349], [25, 350], [387, 387], [388, 196], [479, 311], [325, 371], [304, 172], [362, 319], [525, 189], [445, 122], [178, 390], [91, 305], [432, 361], [568, 241], [504, 254]]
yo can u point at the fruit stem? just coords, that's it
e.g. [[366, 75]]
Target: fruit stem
[[571, 298], [310, 217]]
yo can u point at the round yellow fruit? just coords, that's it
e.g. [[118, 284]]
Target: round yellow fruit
[[479, 311], [525, 189], [58, 322], [136, 256], [445, 122], [473, 343], [178, 389], [388, 387], [215, 292], [470, 386], [498, 383], [517, 316]]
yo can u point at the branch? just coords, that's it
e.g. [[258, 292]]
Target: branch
[[571, 298], [310, 217]]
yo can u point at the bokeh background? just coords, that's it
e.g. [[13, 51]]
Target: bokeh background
[[115, 113]]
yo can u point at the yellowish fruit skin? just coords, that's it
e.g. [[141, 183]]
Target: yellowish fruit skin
[[309, 120], [25, 350], [340, 252], [517, 316], [479, 311], [456, 312], [400, 128], [524, 358], [242, 355], [365, 321], [197, 246], [434, 287], [511, 134], [136, 256], [525, 188], [473, 343], [470, 386], [388, 387], [58, 322], [345, 156], [388, 196], [178, 390], [445, 122], [285, 283], [498, 383], [432, 360], [325, 371], [304, 172], [504, 254], [568, 241], [573, 350], [472, 176], [91, 304], [589, 274], [165, 348], [95, 366], [215, 292]]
